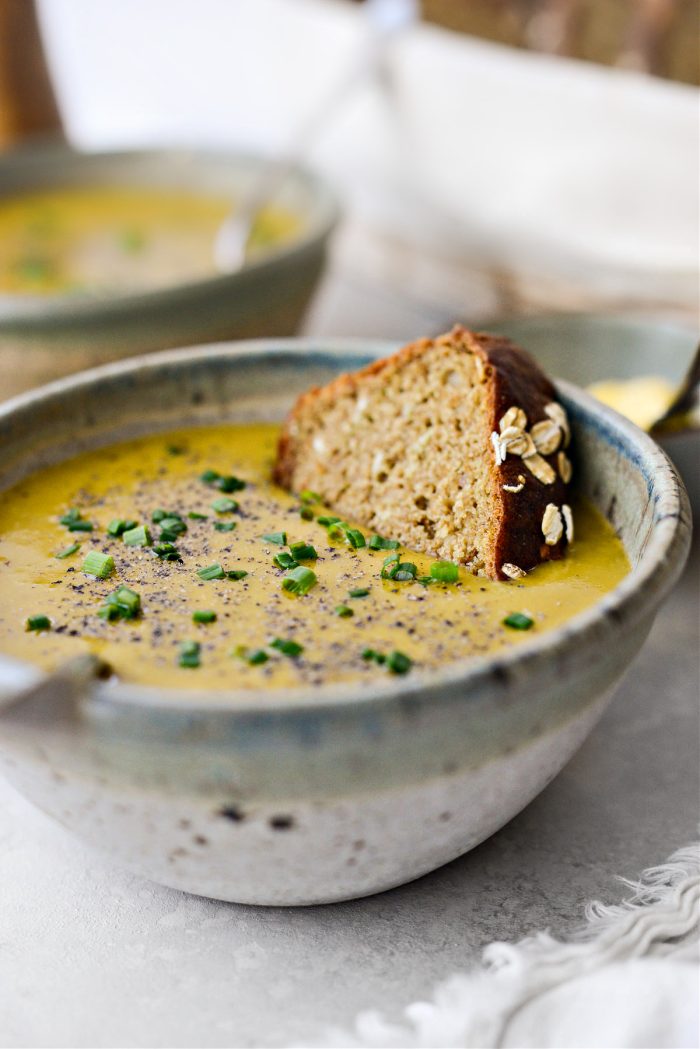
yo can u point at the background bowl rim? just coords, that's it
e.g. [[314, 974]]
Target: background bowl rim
[[24, 312], [636, 597]]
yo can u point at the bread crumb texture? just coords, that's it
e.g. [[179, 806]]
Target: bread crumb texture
[[431, 446]]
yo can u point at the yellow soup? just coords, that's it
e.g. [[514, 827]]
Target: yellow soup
[[117, 239], [212, 521]]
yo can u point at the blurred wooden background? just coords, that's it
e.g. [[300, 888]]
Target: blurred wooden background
[[27, 102], [660, 37]]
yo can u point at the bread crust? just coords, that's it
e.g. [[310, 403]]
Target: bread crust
[[514, 379]]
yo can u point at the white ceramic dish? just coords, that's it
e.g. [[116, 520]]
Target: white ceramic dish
[[307, 798]]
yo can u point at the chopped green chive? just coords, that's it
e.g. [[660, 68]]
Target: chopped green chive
[[224, 505], [173, 523], [343, 611], [285, 560], [360, 591], [137, 536], [398, 663], [132, 240], [328, 521], [97, 564], [257, 656], [376, 542], [352, 536], [306, 513], [35, 269], [279, 538], [444, 571], [194, 516], [158, 515], [425, 580], [224, 526], [214, 571], [390, 564], [237, 573], [299, 581], [518, 621], [118, 526], [230, 484], [225, 483], [307, 496], [38, 623], [189, 654], [253, 657], [303, 552], [167, 552], [121, 604], [400, 571], [204, 617], [68, 551], [287, 648], [75, 522]]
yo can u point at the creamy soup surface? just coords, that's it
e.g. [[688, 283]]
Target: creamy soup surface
[[428, 624], [117, 239]]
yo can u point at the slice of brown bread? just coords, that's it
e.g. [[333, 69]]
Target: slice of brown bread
[[455, 446]]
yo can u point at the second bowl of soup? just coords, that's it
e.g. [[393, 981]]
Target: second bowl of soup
[[106, 255]]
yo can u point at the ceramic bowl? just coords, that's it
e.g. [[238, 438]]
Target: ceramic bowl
[[44, 337], [299, 798]]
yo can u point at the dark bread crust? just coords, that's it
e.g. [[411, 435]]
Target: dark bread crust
[[513, 379], [518, 380]]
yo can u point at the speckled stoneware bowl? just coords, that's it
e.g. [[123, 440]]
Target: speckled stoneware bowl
[[293, 797], [43, 337]]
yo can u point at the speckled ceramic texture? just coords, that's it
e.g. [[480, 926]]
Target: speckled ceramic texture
[[306, 797], [45, 337]]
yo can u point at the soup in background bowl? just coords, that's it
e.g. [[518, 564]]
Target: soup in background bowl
[[300, 792], [105, 255], [114, 240]]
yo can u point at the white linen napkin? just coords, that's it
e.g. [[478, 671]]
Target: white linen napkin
[[629, 978]]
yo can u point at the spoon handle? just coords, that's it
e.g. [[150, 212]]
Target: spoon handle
[[686, 400], [386, 19]]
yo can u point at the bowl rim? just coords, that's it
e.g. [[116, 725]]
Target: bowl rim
[[27, 311], [635, 598]]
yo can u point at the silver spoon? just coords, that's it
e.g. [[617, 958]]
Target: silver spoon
[[681, 412], [386, 18]]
